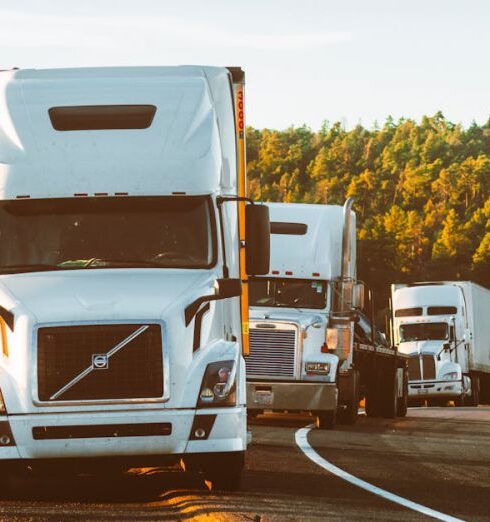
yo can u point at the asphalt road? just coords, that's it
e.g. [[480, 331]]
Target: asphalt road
[[437, 457]]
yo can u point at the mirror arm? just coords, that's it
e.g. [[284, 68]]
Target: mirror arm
[[191, 309], [225, 199], [8, 317]]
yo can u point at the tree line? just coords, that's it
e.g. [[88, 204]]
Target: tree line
[[422, 192]]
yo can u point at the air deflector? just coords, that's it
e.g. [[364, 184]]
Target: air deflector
[[101, 117]]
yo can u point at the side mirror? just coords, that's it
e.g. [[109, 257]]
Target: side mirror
[[257, 240], [228, 288]]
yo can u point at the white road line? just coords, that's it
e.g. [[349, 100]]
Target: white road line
[[301, 437]]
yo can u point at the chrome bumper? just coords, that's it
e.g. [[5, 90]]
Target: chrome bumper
[[298, 396], [435, 389]]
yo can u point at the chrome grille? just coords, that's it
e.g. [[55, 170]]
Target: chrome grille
[[414, 369], [65, 355], [272, 352], [428, 367]]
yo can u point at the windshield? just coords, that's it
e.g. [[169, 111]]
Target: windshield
[[423, 332], [288, 293], [50, 234]]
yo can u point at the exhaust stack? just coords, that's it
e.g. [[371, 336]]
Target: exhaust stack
[[346, 282], [339, 335]]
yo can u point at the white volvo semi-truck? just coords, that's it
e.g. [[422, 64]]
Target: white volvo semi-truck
[[311, 346], [123, 269], [444, 328]]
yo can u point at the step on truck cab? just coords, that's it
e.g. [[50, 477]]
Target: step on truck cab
[[123, 270], [443, 327], [311, 347]]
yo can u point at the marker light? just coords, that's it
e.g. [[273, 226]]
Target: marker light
[[206, 395]]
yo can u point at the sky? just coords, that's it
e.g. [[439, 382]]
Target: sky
[[306, 61]]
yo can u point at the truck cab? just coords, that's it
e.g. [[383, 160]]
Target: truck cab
[[431, 327], [123, 303], [312, 349], [290, 367]]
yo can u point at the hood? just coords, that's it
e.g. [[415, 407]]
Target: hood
[[419, 347], [105, 294], [301, 317]]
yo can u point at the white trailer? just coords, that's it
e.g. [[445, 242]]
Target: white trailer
[[444, 328], [312, 349], [124, 255]]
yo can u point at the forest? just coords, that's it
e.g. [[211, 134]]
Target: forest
[[421, 189]]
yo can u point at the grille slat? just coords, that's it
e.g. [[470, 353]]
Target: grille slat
[[414, 369], [133, 372], [428, 367], [272, 353]]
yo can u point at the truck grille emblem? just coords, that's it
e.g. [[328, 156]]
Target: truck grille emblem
[[100, 361]]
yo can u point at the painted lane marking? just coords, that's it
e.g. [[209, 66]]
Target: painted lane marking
[[301, 437]]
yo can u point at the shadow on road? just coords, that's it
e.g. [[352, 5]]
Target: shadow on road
[[144, 485]]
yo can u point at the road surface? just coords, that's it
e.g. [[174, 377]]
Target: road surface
[[436, 457]]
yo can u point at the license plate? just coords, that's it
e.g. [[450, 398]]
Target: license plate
[[264, 398], [421, 391]]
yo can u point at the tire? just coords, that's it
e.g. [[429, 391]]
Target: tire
[[348, 415], [459, 401], [389, 403], [474, 398], [325, 420], [402, 406], [225, 472], [372, 400], [253, 414]]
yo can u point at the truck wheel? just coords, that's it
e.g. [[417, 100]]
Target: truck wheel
[[402, 406], [253, 414], [459, 401], [389, 403], [325, 420], [372, 403], [348, 414], [474, 398], [225, 473]]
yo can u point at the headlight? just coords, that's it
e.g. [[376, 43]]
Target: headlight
[[451, 376], [317, 368], [218, 385]]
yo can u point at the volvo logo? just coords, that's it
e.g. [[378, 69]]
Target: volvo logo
[[100, 361]]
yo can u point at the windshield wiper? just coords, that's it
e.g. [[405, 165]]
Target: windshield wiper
[[97, 262], [38, 267]]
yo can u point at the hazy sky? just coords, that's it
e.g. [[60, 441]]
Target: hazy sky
[[306, 60]]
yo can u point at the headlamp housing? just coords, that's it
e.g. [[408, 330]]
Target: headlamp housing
[[218, 385]]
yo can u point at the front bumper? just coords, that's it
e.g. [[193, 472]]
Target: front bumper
[[227, 433], [435, 390], [292, 396]]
